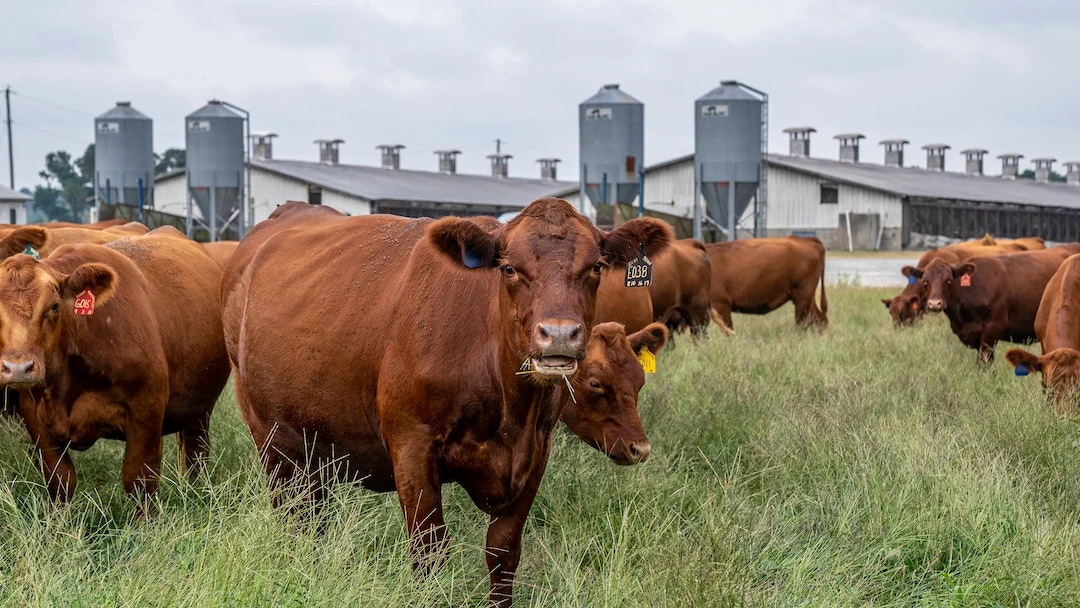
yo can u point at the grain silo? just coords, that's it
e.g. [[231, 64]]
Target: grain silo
[[611, 128], [730, 144], [215, 168], [124, 157]]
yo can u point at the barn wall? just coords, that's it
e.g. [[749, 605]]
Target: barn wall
[[169, 195], [270, 190], [346, 204]]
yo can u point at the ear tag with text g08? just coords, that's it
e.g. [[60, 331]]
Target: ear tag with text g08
[[647, 360], [911, 280], [84, 303], [639, 271], [965, 281]]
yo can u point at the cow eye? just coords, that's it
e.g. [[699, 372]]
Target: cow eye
[[597, 267], [55, 307], [595, 385], [509, 270]]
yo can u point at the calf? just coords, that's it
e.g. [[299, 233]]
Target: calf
[[757, 276], [1057, 328], [603, 410], [991, 298], [121, 341], [416, 353]]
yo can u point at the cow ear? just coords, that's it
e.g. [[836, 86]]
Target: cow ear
[[887, 302], [961, 269], [464, 242], [1023, 361], [623, 244], [18, 239], [911, 271], [654, 336], [98, 278]]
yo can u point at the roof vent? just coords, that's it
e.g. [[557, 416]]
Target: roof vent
[[548, 168], [447, 161], [262, 144], [500, 164], [935, 156], [1044, 169], [123, 104], [800, 140], [328, 150], [1072, 173], [391, 156], [1010, 165], [849, 146], [973, 163], [894, 151]]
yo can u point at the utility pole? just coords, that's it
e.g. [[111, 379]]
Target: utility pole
[[10, 146]]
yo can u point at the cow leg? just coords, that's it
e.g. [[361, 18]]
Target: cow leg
[[420, 493], [53, 457], [194, 444], [142, 454], [503, 547]]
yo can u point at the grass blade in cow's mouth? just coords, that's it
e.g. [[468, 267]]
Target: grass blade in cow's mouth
[[554, 365]]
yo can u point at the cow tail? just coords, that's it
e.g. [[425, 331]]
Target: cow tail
[[720, 321], [824, 300]]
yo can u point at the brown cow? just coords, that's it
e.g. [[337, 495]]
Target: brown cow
[[757, 276], [630, 306], [419, 352], [910, 304], [221, 251], [991, 298], [143, 358], [680, 288], [603, 412], [101, 225], [1057, 328]]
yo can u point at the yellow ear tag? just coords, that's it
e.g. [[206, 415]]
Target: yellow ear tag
[[647, 360]]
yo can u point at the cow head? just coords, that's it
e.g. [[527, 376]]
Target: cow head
[[36, 306], [549, 259], [604, 412], [910, 304], [1060, 368], [936, 281]]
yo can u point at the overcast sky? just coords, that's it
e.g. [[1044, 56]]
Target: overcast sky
[[435, 74]]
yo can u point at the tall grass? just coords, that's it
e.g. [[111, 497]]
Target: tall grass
[[863, 466]]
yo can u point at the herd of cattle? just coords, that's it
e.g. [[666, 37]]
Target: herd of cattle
[[1018, 290], [409, 353]]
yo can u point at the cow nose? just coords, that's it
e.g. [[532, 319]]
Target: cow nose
[[639, 451], [934, 305], [21, 371], [560, 338]]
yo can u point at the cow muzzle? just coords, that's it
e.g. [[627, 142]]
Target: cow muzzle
[[561, 345], [935, 305], [636, 452], [20, 372]]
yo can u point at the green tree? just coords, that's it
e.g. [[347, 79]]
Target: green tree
[[171, 160], [1054, 175], [65, 195]]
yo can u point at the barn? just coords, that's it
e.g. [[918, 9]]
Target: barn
[[12, 206], [359, 189], [852, 204]]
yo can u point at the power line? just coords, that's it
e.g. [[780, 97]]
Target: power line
[[47, 132], [79, 112]]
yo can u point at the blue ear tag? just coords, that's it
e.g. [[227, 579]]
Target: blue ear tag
[[30, 251], [1022, 370], [471, 261], [911, 280]]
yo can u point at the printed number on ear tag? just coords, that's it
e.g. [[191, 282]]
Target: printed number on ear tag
[[84, 303], [647, 360], [639, 271], [965, 281]]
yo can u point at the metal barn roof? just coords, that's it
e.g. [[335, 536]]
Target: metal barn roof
[[911, 181], [7, 195], [376, 183]]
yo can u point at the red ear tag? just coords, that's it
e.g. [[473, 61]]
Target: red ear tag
[[915, 305], [84, 303], [965, 281]]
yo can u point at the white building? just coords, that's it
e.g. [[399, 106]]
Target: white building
[[887, 206], [12, 206]]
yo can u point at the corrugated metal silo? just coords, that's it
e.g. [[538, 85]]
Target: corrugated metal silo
[[123, 155], [215, 162], [611, 127], [728, 146]]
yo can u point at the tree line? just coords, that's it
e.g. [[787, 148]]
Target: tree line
[[68, 192]]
